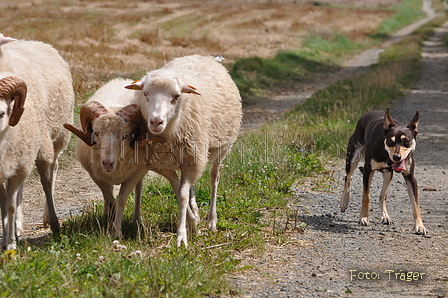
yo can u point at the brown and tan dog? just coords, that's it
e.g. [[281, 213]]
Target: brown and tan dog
[[386, 146]]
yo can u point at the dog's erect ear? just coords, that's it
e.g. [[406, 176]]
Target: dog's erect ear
[[413, 124], [388, 122]]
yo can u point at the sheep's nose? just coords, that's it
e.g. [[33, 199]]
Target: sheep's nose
[[108, 165], [156, 122], [396, 157]]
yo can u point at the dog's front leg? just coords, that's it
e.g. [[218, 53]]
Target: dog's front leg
[[411, 184], [387, 177], [366, 180]]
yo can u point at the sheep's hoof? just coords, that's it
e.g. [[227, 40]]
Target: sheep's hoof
[[181, 238], [180, 241], [116, 234], [211, 225], [12, 245]]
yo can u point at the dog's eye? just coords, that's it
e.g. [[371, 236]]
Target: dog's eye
[[390, 143], [406, 143]]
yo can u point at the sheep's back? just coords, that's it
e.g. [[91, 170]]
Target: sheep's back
[[48, 105], [113, 95], [50, 95], [218, 108]]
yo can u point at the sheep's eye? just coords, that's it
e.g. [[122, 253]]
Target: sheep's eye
[[12, 98], [125, 137], [176, 97]]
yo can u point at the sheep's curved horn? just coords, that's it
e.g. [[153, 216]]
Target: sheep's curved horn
[[132, 113], [79, 133], [13, 87], [89, 112]]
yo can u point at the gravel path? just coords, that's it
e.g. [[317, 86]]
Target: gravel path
[[335, 256]]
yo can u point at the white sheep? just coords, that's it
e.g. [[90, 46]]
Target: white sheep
[[35, 81], [200, 124], [111, 147]]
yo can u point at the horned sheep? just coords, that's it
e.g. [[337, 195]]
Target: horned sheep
[[194, 104], [35, 81], [112, 147]]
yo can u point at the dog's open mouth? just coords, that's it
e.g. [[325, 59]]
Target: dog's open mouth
[[399, 166]]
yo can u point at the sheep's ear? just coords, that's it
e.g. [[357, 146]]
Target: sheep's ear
[[190, 89], [136, 85], [5, 39]]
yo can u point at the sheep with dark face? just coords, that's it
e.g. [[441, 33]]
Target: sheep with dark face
[[194, 104], [112, 147], [36, 99]]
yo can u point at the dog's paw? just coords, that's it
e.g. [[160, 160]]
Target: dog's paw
[[386, 221], [343, 204], [420, 230], [364, 221]]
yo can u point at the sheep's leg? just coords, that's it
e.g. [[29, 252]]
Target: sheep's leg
[[138, 200], [189, 174], [120, 204], [47, 172], [3, 207], [183, 200], [9, 233], [192, 217], [19, 213], [108, 195], [192, 203], [212, 218]]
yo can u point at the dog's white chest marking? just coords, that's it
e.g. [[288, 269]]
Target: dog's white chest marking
[[378, 165]]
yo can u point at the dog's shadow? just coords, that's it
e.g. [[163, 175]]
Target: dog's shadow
[[328, 223]]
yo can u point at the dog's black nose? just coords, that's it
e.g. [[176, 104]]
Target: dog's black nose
[[396, 157]]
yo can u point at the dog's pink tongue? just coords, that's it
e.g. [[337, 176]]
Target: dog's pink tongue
[[399, 166]]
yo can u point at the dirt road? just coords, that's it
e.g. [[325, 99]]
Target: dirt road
[[336, 257]]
